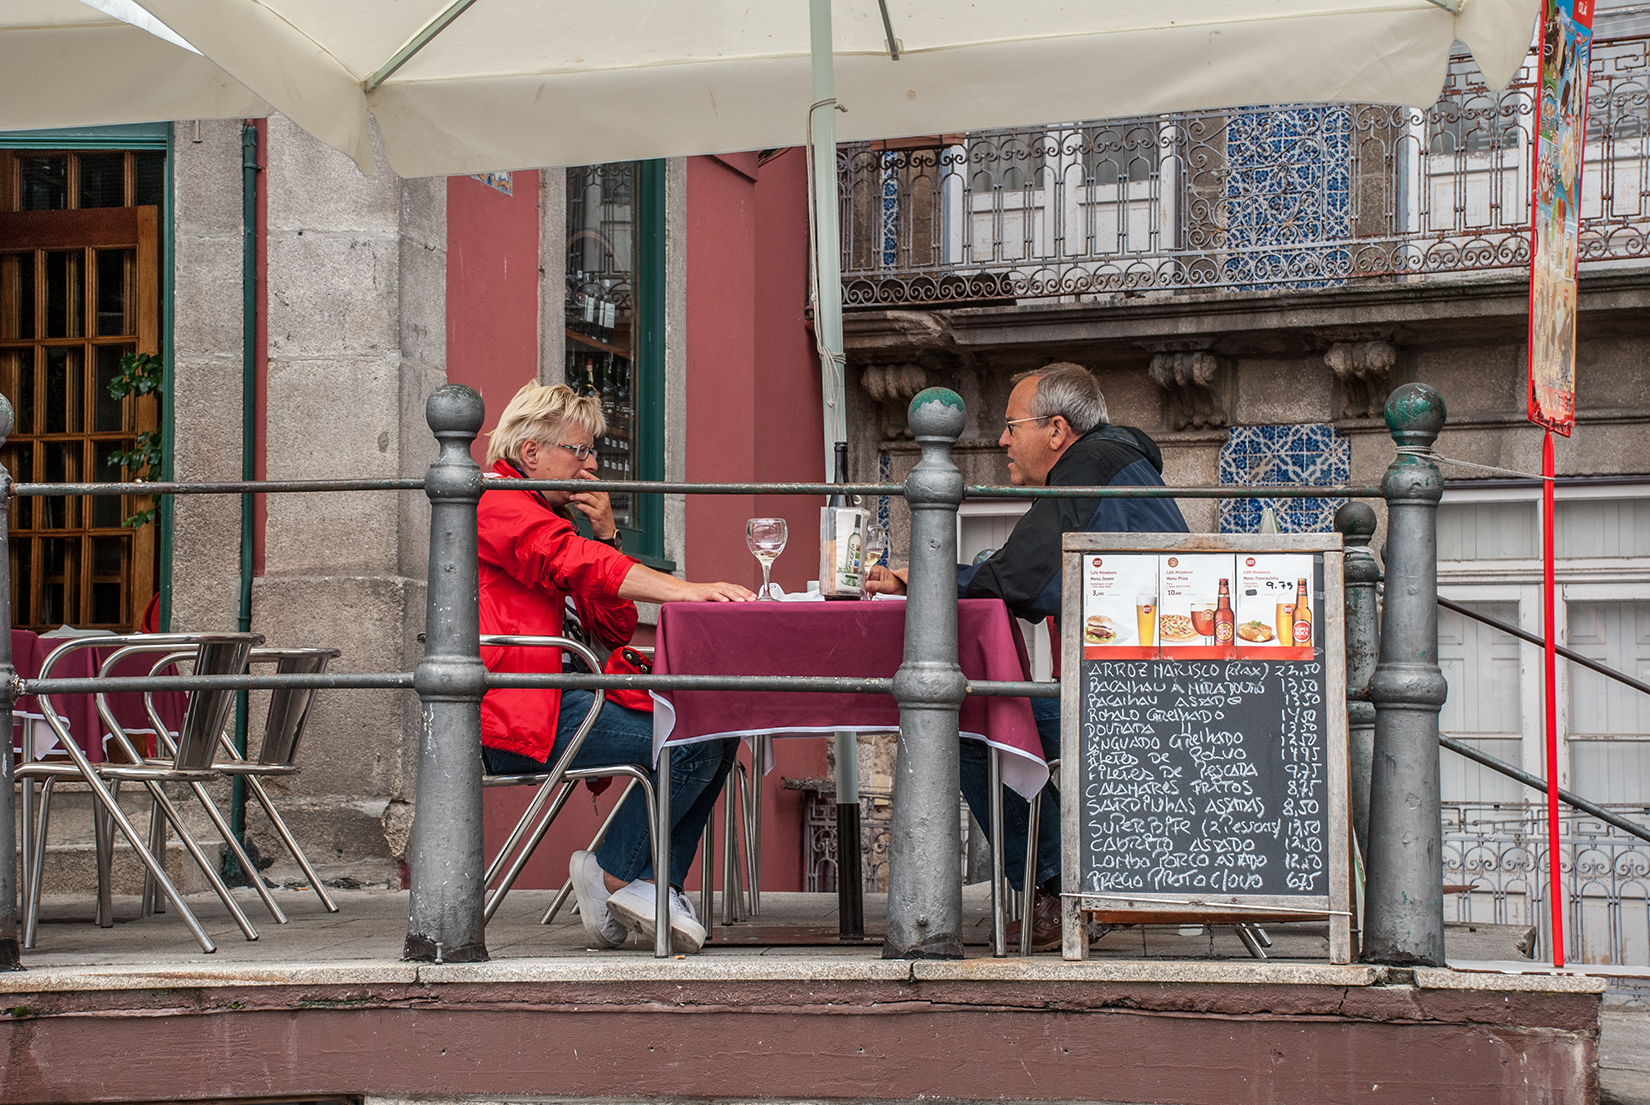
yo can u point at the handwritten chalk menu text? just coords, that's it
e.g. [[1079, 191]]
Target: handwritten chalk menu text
[[1204, 777]]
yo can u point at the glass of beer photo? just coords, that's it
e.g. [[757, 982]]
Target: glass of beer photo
[[1145, 617]]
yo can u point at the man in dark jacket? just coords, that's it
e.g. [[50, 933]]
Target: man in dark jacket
[[1056, 434]]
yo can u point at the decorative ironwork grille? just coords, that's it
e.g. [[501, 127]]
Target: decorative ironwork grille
[[1247, 199], [1501, 850]]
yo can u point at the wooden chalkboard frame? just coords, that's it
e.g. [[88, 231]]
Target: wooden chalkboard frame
[[1337, 904]]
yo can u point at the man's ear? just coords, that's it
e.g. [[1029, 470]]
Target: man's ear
[[1065, 435], [529, 453]]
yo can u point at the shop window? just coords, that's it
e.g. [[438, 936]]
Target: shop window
[[615, 328]]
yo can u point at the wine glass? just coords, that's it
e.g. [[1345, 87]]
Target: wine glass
[[765, 537]]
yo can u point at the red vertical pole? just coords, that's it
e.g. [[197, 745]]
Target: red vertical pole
[[1549, 622]]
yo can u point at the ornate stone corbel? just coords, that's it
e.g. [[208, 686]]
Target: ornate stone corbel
[[1192, 379], [894, 386], [1364, 369]]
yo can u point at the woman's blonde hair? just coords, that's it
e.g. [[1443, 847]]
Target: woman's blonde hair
[[539, 413]]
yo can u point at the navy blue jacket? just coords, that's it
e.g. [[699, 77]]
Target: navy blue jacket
[[1025, 572]]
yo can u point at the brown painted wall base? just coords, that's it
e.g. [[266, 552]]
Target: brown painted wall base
[[1208, 1044]]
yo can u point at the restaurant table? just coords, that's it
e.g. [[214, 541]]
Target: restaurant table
[[864, 639]]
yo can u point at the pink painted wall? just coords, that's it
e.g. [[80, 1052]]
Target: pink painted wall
[[754, 411], [492, 290]]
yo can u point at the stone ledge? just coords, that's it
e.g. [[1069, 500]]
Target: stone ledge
[[722, 970]]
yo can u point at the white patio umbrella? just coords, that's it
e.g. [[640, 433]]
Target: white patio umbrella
[[66, 64]]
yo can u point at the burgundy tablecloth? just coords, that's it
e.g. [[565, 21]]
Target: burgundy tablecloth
[[29, 652], [833, 638]]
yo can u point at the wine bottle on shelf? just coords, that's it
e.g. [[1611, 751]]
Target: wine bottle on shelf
[[842, 540]]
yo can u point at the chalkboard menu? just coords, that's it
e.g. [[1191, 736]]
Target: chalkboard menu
[[1204, 776], [1204, 729]]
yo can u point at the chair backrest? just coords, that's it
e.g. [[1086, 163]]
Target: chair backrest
[[289, 707], [208, 710]]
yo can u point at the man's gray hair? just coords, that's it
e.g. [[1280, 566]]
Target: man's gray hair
[[1070, 391]]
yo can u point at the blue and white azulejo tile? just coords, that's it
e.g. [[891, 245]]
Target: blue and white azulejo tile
[[1262, 456]]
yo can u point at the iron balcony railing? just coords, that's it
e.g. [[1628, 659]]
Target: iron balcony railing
[[1500, 853], [1240, 200]]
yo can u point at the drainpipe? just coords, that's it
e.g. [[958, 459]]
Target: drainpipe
[[249, 425]]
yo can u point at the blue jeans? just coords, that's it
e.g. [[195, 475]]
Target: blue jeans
[[976, 788], [622, 736]]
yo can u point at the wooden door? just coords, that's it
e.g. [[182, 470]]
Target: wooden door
[[79, 289]]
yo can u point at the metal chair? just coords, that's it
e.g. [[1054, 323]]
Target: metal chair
[[216, 654], [555, 786], [289, 714], [172, 744]]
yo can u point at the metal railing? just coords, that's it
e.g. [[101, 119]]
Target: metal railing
[[1500, 852], [1240, 200], [446, 908]]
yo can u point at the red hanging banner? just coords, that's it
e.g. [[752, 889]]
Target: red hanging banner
[[1561, 124]]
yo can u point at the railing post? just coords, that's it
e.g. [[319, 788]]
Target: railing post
[[1356, 523], [11, 954], [924, 871], [446, 921], [1404, 900]]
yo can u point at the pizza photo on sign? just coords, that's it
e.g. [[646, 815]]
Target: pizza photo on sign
[[1197, 619], [1178, 628], [1120, 606]]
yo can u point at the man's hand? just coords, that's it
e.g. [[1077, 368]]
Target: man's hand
[[719, 592], [596, 507], [886, 581]]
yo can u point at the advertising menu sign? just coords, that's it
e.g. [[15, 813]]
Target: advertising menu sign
[[1211, 772], [1276, 616], [1198, 620], [1120, 606]]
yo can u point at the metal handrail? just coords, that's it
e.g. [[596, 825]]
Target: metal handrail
[[659, 487], [1536, 782], [1524, 635]]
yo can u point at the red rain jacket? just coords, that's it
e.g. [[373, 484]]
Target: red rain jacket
[[531, 560]]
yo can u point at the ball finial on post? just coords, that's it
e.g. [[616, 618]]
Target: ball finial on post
[[937, 413], [1415, 414], [455, 409], [1355, 521]]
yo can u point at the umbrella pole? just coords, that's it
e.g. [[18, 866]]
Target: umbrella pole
[[824, 225]]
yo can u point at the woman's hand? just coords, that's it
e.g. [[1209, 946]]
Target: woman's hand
[[643, 584], [595, 506], [886, 581], [720, 592]]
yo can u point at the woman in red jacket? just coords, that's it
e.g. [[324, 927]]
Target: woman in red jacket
[[532, 561]]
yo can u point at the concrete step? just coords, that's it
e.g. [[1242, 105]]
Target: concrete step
[[72, 869]]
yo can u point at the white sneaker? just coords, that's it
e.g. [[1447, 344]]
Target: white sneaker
[[634, 905], [590, 890]]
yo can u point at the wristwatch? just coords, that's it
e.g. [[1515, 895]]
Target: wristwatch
[[616, 542]]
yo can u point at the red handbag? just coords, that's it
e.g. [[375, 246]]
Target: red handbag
[[627, 661]]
